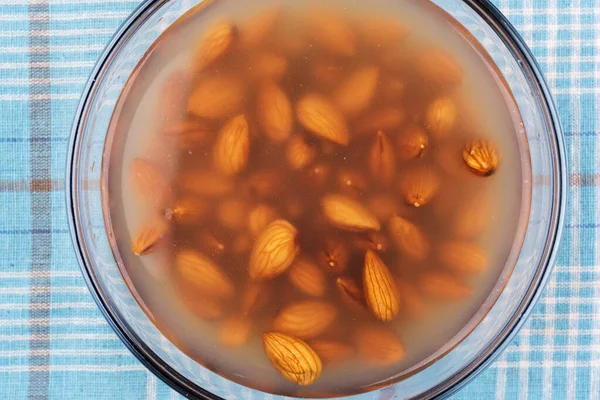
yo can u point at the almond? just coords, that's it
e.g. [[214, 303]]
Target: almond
[[463, 257], [205, 183], [412, 143], [378, 346], [274, 112], [348, 214], [254, 297], [354, 94], [439, 67], [203, 307], [235, 331], [440, 117], [383, 119], [442, 286], [380, 289], [307, 277], [320, 117], [217, 97], [254, 31], [412, 304], [267, 66], [383, 206], [292, 357], [481, 156], [331, 32], [149, 236], [149, 183], [231, 150], [263, 184], [216, 42], [371, 241], [274, 250], [351, 294], [189, 133], [351, 182], [305, 319], [199, 271], [419, 185], [333, 255], [188, 210], [382, 161], [409, 238], [332, 352], [260, 217], [299, 153]]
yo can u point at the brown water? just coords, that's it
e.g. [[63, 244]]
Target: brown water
[[165, 175]]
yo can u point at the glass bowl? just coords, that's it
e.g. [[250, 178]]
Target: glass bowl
[[474, 348]]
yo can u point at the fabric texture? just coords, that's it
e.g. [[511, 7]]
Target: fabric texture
[[55, 344]]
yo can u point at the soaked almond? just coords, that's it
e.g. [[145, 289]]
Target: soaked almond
[[348, 214], [351, 182], [442, 286], [436, 65], [274, 250], [371, 241], [202, 273], [216, 42], [307, 277], [148, 181], [267, 66], [260, 217], [440, 117], [413, 306], [383, 206], [481, 156], [211, 244], [305, 319], [217, 97], [463, 257], [188, 210], [383, 119], [412, 143], [255, 296], [231, 150], [382, 161], [275, 112], [380, 289], [409, 238], [378, 346], [149, 236], [320, 117], [292, 357], [235, 331], [419, 186], [354, 94], [258, 27], [351, 294], [189, 134], [333, 255], [205, 183], [332, 352], [299, 152]]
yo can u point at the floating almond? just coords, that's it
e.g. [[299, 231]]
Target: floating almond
[[440, 117], [378, 346], [473, 216], [331, 32], [148, 181], [332, 352], [307, 277], [383, 119], [263, 184], [202, 273], [232, 213], [217, 97], [235, 331], [259, 26], [189, 133], [260, 217], [463, 257], [383, 206], [348, 214], [380, 289], [210, 244], [231, 150], [216, 42], [351, 182], [442, 286], [371, 241], [355, 93], [408, 238], [351, 294], [274, 112], [412, 143], [419, 186], [481, 156], [292, 357], [299, 153], [382, 161], [274, 250], [267, 66], [333, 255], [149, 236], [305, 319], [205, 183], [412, 303], [321, 118], [254, 297], [187, 210], [439, 67]]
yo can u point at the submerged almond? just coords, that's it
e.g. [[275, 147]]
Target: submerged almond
[[217, 97], [267, 66], [412, 143], [383, 119], [263, 184], [235, 331], [205, 183], [189, 133], [254, 297], [463, 257], [305, 319], [292, 357], [382, 161], [439, 67], [481, 156], [371, 241], [274, 250], [307, 277], [351, 182], [260, 217], [188, 210], [274, 112], [354, 94], [380, 289], [333, 255], [216, 42], [149, 236], [442, 286], [351, 294], [412, 303], [409, 238], [418, 186], [232, 213], [378, 346], [348, 214], [440, 117], [331, 351], [232, 148], [202, 273], [331, 32], [383, 206], [299, 153], [320, 117]]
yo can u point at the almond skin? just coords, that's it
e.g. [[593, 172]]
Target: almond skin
[[354, 94], [217, 97], [408, 238], [292, 357], [216, 42], [307, 277], [320, 117], [231, 150], [378, 346], [380, 289], [199, 271], [274, 250], [275, 112], [305, 319], [348, 214]]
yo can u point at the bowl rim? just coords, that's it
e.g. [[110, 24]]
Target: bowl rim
[[512, 39]]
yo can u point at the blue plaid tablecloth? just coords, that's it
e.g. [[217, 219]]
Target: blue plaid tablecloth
[[55, 344]]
